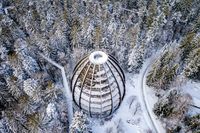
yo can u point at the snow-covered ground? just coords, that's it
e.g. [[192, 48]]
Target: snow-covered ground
[[133, 115], [136, 111], [150, 99], [131, 119], [193, 88]]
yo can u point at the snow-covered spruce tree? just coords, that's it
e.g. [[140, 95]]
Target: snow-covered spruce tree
[[192, 70], [192, 54], [14, 88], [30, 87], [27, 62], [192, 123], [151, 13], [135, 59], [79, 123], [4, 126], [7, 100], [187, 45], [163, 72], [172, 108], [74, 33], [3, 52]]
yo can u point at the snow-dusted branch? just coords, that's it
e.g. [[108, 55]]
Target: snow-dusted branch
[[66, 89], [194, 106], [52, 62]]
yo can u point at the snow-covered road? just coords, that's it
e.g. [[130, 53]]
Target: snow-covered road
[[149, 99], [144, 97]]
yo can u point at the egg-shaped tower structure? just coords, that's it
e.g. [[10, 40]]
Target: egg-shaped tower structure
[[98, 84]]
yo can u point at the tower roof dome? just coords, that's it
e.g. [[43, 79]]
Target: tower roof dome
[[98, 84]]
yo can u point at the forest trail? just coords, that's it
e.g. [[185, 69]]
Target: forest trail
[[144, 98]]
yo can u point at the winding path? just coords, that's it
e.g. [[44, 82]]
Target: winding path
[[144, 97]]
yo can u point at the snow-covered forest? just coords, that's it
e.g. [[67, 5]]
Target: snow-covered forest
[[156, 42]]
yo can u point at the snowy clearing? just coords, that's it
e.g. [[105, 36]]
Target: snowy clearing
[[133, 115], [193, 88]]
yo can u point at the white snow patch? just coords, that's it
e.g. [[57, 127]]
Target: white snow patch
[[131, 123], [98, 57], [139, 122], [193, 88], [51, 109]]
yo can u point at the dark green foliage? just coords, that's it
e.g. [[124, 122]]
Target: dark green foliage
[[6, 31], [163, 72], [131, 4], [163, 110], [187, 45], [183, 6], [192, 69], [151, 13], [172, 106], [197, 25], [193, 123], [165, 8], [191, 55], [174, 130], [6, 99]]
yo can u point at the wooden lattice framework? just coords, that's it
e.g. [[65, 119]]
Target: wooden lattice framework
[[98, 84]]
